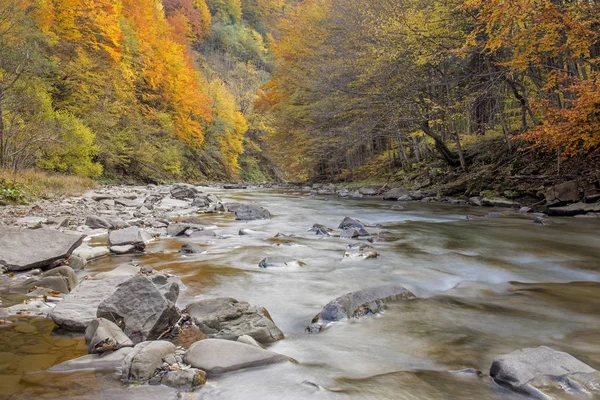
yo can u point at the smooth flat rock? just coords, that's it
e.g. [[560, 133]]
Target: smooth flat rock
[[216, 356], [35, 248], [128, 236], [167, 204], [94, 362], [123, 270], [125, 249], [141, 363], [103, 336], [534, 370], [138, 306], [227, 318], [89, 253], [78, 308], [97, 222], [358, 304]]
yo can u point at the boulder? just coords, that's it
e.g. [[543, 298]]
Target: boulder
[[125, 249], [102, 336], [35, 248], [216, 356], [227, 318], [279, 261], [200, 201], [564, 193], [177, 229], [190, 248], [141, 363], [248, 212], [475, 201], [77, 263], [183, 191], [94, 362], [395, 194], [138, 306], [78, 308], [350, 233], [353, 224], [187, 379], [129, 236], [61, 279], [533, 370], [358, 304]]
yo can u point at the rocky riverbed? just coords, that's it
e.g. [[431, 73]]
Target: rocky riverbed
[[157, 286]]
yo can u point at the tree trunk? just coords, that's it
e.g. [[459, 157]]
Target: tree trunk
[[448, 155]]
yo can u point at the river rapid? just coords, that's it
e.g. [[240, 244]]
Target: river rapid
[[484, 287]]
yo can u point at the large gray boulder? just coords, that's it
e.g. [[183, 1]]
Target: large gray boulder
[[102, 336], [183, 191], [540, 370], [94, 362], [358, 304], [217, 356], [35, 248], [227, 318], [248, 212], [395, 194], [141, 363], [138, 306], [62, 279], [564, 192], [78, 308], [129, 236]]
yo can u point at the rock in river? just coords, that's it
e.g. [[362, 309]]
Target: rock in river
[[227, 318], [78, 308], [140, 308], [141, 363], [61, 279], [535, 370], [217, 356], [102, 336], [279, 261], [131, 236], [35, 248], [358, 304], [349, 223], [248, 212], [94, 362]]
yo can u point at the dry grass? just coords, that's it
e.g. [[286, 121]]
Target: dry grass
[[44, 185]]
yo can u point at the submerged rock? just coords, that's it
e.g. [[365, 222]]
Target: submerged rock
[[190, 248], [535, 370], [320, 230], [217, 356], [360, 250], [35, 248], [227, 318], [358, 304], [279, 261], [140, 309]]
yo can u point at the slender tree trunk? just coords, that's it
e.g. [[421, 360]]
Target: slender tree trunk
[[448, 155]]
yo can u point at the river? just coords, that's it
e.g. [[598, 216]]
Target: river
[[485, 287]]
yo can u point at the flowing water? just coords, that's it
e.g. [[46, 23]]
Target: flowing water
[[485, 287]]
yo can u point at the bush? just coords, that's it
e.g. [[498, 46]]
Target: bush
[[11, 192]]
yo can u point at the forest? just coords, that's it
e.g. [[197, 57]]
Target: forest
[[259, 90]]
